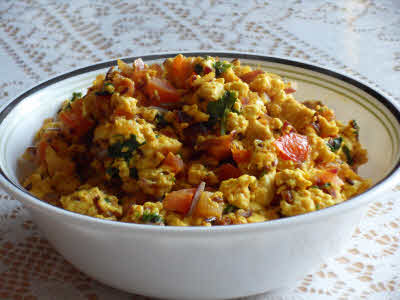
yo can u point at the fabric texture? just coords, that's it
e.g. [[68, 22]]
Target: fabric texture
[[42, 38]]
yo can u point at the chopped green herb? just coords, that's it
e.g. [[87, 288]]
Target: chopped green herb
[[347, 152], [102, 93], [76, 96], [161, 120], [230, 208], [157, 136], [355, 127], [317, 206], [125, 148], [221, 67], [106, 90], [133, 173], [198, 68], [325, 186], [149, 217], [235, 111], [334, 144], [107, 200], [322, 187], [112, 172], [218, 110]]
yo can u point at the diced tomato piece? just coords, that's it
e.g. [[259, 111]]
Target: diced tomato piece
[[179, 70], [161, 91], [289, 90], [207, 70], [179, 201], [227, 171], [333, 170], [219, 147], [250, 76], [240, 155], [41, 151], [175, 162], [293, 146], [74, 119]]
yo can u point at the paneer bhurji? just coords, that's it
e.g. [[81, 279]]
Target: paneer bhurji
[[195, 141]]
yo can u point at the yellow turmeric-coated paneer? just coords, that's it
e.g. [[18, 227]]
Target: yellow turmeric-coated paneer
[[195, 141]]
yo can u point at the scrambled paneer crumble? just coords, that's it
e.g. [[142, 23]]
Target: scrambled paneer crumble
[[195, 141]]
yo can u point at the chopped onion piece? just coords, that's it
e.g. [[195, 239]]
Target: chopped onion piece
[[160, 109], [32, 150], [52, 129], [196, 197]]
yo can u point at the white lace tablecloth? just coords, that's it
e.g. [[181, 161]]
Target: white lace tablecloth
[[41, 38]]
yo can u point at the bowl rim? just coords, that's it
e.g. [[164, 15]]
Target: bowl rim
[[376, 93]]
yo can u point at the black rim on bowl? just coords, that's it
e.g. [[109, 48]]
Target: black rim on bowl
[[102, 65]]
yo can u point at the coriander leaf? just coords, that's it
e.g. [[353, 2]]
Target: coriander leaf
[[107, 200], [334, 144], [347, 152], [223, 121], [198, 68], [355, 127], [218, 110], [221, 67], [125, 148], [230, 208], [102, 93], [76, 96], [322, 186], [106, 90], [149, 217], [317, 206], [161, 120], [325, 186]]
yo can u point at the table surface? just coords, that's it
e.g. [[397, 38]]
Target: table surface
[[42, 38]]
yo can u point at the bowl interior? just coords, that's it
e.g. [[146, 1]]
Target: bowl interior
[[379, 132]]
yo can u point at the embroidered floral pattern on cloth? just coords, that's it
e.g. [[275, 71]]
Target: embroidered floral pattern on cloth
[[42, 38]]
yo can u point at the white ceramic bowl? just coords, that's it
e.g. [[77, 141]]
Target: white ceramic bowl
[[197, 262]]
